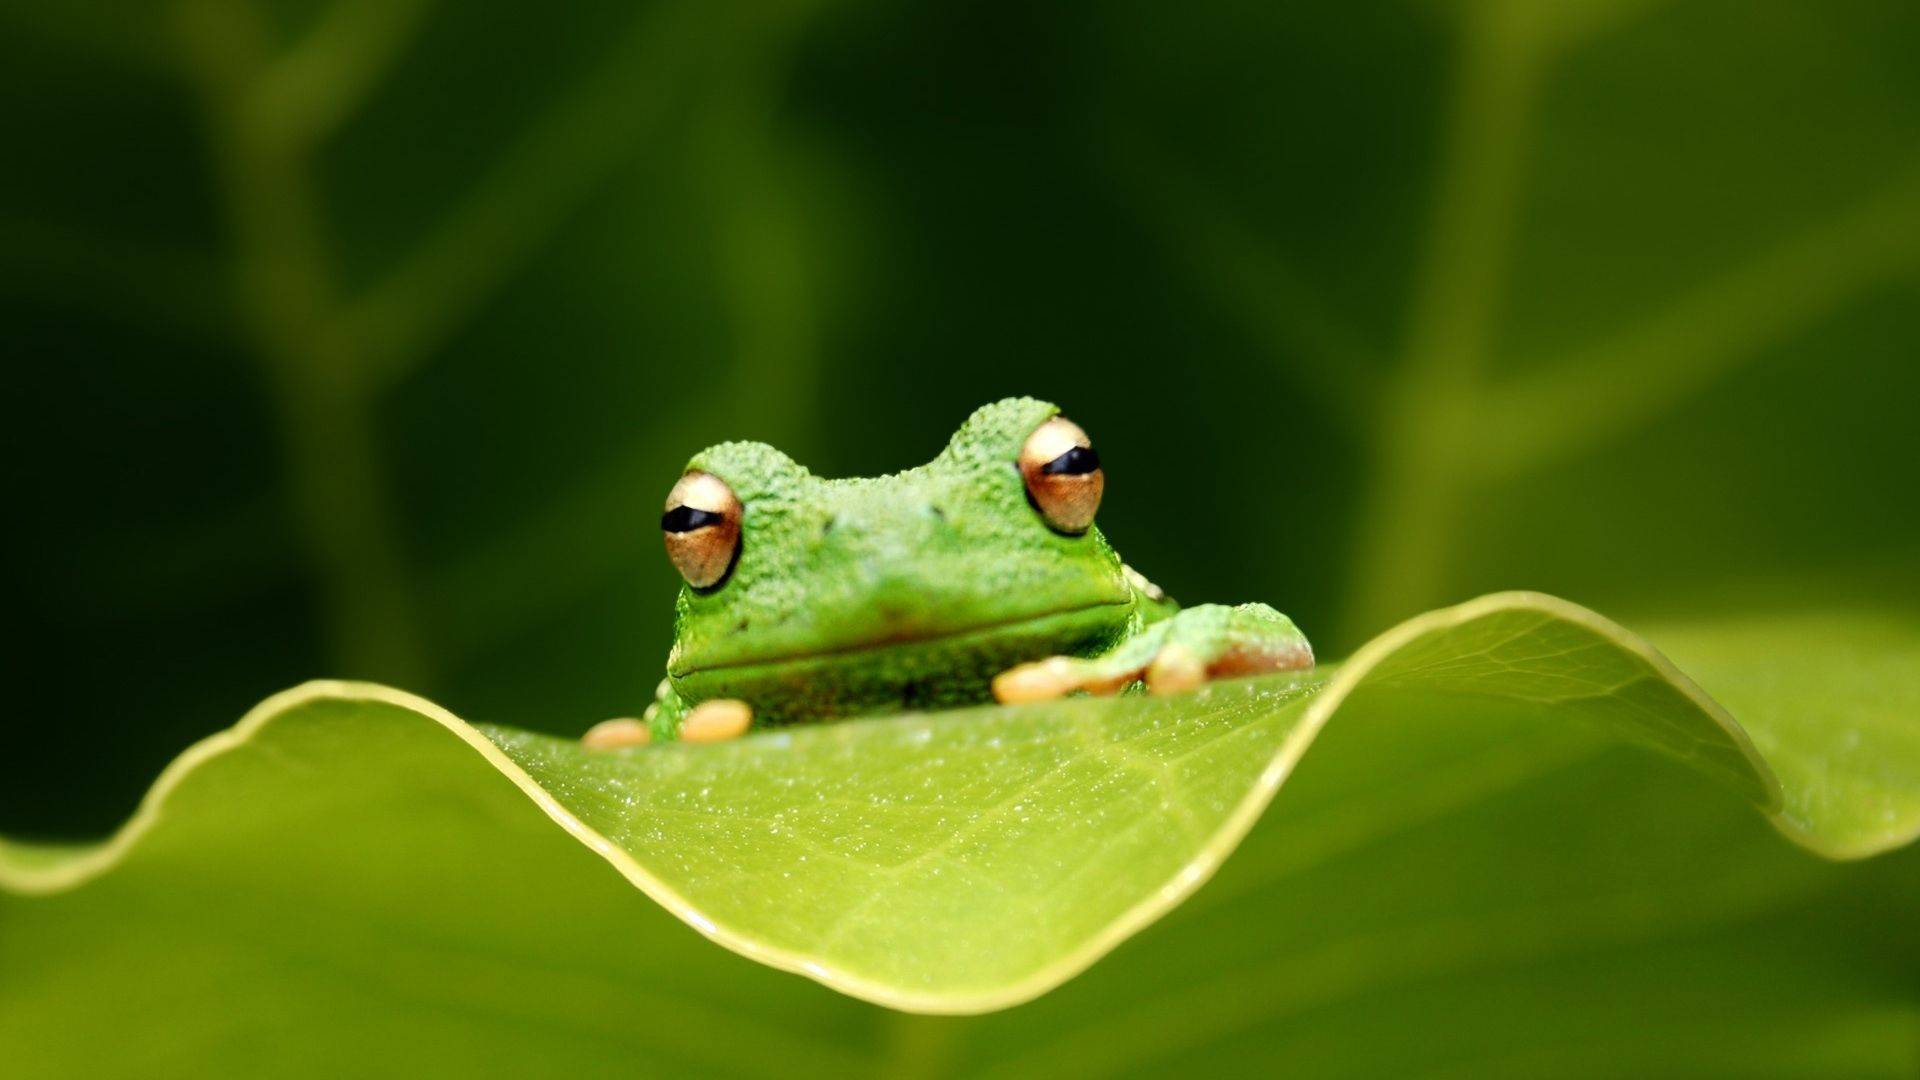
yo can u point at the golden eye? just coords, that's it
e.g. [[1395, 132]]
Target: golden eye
[[702, 527], [1063, 476]]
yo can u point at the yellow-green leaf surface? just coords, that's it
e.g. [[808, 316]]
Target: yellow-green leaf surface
[[351, 853]]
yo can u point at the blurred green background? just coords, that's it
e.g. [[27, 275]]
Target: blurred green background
[[363, 338]]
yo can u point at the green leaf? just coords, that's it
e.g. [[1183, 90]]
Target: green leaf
[[344, 835], [1833, 705]]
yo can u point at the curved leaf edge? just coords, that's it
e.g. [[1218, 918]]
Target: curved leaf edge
[[39, 870]]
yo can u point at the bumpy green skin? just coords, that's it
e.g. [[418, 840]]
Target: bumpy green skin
[[914, 590]]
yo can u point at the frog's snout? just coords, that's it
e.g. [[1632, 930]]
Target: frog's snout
[[902, 601], [874, 561], [883, 530]]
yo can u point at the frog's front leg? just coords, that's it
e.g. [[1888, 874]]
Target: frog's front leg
[[671, 719], [1178, 652]]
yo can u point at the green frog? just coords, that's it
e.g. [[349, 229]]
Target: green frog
[[977, 576]]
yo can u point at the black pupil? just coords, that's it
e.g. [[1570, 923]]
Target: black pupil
[[686, 519], [1078, 461]]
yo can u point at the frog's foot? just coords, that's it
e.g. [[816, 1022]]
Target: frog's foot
[[1170, 670], [1180, 653], [709, 721], [617, 734]]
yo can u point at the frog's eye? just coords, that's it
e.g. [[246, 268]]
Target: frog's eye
[[702, 527], [1063, 476]]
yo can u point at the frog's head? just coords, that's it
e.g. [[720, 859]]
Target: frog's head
[[811, 597]]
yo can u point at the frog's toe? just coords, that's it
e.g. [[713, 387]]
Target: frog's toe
[[1057, 676], [716, 721], [1040, 680], [616, 734], [1175, 669], [1261, 658], [1179, 667]]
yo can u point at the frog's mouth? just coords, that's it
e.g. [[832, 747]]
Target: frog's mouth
[[959, 637], [910, 667]]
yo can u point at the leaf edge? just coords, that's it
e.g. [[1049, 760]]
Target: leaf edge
[[32, 871]]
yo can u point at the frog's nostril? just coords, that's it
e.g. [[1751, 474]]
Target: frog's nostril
[[828, 525], [937, 514]]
